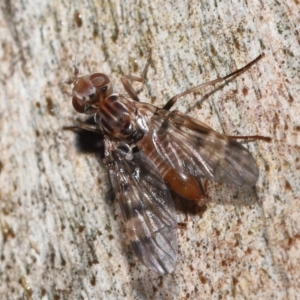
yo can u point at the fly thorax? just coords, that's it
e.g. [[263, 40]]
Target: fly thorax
[[118, 118]]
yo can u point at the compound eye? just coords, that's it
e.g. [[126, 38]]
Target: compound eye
[[78, 104], [83, 88], [99, 80], [102, 84]]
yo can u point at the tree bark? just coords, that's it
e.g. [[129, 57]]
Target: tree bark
[[62, 233]]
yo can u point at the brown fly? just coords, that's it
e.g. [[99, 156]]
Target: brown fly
[[150, 151]]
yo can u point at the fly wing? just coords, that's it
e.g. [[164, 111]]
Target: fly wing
[[191, 146], [146, 205]]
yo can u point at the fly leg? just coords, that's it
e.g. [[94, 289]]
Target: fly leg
[[204, 199], [88, 127], [182, 225], [128, 87], [250, 137], [88, 138], [173, 100]]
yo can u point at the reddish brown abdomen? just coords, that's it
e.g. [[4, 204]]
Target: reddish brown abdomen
[[181, 182]]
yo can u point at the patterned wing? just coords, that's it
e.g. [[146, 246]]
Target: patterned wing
[[192, 147], [146, 204]]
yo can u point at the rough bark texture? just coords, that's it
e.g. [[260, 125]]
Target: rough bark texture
[[62, 235]]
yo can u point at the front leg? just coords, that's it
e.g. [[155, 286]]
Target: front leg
[[128, 87], [88, 127]]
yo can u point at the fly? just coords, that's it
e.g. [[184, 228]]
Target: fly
[[150, 151]]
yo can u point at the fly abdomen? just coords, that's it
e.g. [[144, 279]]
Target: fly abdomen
[[179, 180]]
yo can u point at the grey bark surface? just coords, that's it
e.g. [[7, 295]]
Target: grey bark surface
[[62, 235]]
